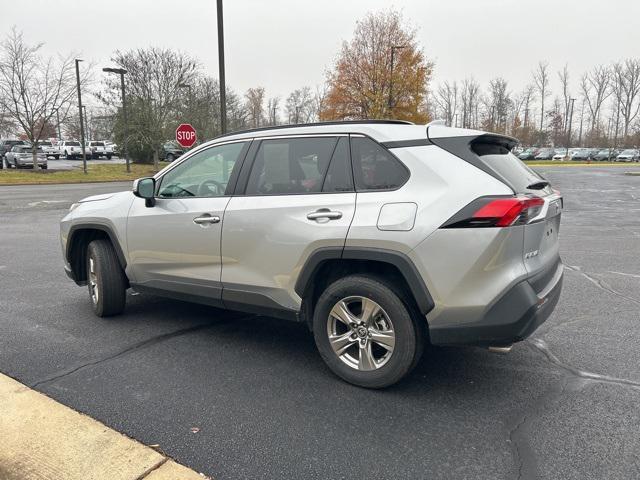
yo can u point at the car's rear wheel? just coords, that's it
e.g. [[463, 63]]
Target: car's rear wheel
[[170, 157], [365, 333], [106, 279]]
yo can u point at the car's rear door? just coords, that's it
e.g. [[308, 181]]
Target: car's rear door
[[295, 196], [541, 247], [175, 244]]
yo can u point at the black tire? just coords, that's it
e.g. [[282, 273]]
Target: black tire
[[109, 157], [110, 280], [408, 334], [170, 157], [56, 157]]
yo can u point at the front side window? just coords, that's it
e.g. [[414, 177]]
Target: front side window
[[374, 167], [205, 174], [290, 166]]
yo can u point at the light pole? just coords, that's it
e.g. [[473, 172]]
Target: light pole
[[84, 154], [393, 51], [122, 72], [87, 132], [223, 94], [569, 129]]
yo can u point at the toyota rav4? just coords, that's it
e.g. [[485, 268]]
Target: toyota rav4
[[381, 236]]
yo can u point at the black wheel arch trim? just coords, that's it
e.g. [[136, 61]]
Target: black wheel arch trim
[[402, 262], [95, 226]]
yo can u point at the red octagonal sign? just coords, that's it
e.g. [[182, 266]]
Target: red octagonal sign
[[186, 135]]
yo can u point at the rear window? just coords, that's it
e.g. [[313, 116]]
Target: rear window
[[500, 159], [97, 144], [73, 144]]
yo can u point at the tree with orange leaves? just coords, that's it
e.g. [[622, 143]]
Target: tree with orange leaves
[[381, 73]]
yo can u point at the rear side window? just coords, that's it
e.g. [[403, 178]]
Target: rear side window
[[339, 176], [500, 159], [290, 166], [374, 167]]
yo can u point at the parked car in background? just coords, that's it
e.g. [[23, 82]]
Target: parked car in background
[[559, 154], [21, 156], [528, 154], [171, 151], [72, 149], [7, 145], [111, 148], [49, 149], [628, 155], [604, 155], [579, 154], [98, 150], [544, 154]]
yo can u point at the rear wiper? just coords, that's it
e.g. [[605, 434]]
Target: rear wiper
[[538, 185]]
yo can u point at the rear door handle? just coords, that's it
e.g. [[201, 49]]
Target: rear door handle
[[206, 219], [324, 213]]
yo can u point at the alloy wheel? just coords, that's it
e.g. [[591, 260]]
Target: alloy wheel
[[361, 333], [93, 281]]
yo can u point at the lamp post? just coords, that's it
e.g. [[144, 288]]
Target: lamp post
[[223, 94], [122, 72], [572, 100], [84, 153], [393, 51], [87, 132]]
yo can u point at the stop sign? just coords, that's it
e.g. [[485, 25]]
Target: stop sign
[[186, 135]]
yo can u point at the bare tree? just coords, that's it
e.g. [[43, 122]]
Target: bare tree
[[154, 78], [500, 103], [446, 98], [470, 96], [273, 104], [626, 89], [255, 106], [563, 76], [33, 89], [595, 90], [541, 81], [300, 106]]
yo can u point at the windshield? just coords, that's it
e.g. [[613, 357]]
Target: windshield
[[628, 152], [73, 144]]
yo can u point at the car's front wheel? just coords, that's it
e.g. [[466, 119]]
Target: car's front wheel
[[105, 278], [365, 333], [170, 157]]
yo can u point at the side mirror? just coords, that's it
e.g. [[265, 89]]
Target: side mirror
[[145, 188]]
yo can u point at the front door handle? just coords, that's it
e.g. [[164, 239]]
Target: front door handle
[[324, 213], [206, 219]]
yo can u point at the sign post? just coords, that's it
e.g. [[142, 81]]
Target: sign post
[[186, 135]]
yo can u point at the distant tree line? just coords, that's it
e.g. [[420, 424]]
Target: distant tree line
[[603, 112], [381, 72]]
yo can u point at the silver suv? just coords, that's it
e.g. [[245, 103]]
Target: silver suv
[[380, 235]]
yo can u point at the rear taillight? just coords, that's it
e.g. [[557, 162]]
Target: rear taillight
[[497, 212]]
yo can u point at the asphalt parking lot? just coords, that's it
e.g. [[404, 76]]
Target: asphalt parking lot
[[563, 404]]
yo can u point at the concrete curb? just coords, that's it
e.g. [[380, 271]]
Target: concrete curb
[[43, 439]]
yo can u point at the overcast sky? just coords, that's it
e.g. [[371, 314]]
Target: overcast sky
[[285, 44]]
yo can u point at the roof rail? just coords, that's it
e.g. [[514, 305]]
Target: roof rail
[[315, 124]]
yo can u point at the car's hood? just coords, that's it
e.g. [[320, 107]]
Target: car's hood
[[104, 196]]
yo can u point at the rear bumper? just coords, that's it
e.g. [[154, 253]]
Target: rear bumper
[[515, 316]]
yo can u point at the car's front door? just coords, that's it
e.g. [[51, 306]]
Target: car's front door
[[175, 244], [295, 198]]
